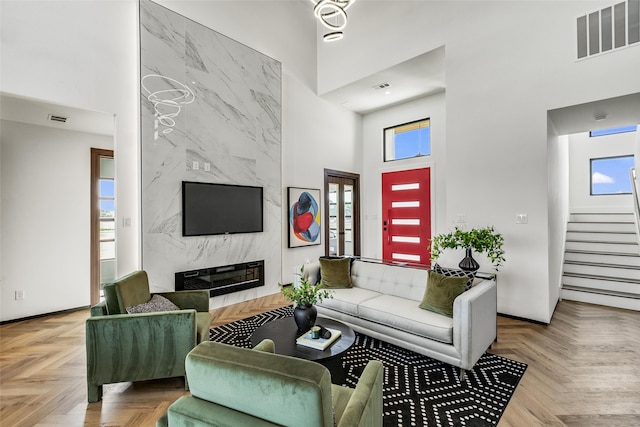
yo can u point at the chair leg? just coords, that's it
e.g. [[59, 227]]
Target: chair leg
[[94, 392], [462, 372]]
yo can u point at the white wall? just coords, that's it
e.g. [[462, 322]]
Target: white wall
[[507, 64], [558, 160], [584, 148], [432, 107], [45, 227], [83, 54]]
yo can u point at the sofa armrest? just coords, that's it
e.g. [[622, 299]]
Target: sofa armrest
[[266, 346], [197, 300], [474, 322], [100, 309], [135, 347], [365, 406]]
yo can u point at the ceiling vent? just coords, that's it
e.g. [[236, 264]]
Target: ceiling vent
[[381, 86], [59, 119]]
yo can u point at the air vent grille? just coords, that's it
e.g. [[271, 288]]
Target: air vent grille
[[54, 118], [608, 29], [381, 86]]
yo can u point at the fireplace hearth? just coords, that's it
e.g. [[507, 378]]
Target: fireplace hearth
[[223, 279]]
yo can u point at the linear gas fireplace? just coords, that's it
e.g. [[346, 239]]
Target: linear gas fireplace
[[222, 280]]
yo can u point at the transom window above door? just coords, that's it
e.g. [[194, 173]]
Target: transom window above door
[[408, 140]]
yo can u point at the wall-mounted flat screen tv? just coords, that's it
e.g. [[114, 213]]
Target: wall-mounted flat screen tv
[[209, 209]]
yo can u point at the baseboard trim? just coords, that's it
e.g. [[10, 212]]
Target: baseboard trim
[[524, 319], [37, 316]]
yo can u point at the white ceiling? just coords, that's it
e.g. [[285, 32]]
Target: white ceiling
[[36, 112], [417, 77], [618, 111]]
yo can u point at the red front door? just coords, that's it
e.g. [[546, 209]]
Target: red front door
[[406, 216]]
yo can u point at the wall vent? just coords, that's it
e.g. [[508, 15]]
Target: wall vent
[[608, 29], [57, 118], [381, 86]]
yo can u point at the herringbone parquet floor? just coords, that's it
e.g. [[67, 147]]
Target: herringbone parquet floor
[[584, 370]]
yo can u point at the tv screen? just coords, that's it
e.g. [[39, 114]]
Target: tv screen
[[209, 209]]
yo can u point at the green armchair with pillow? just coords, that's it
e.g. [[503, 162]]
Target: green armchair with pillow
[[134, 335], [232, 386]]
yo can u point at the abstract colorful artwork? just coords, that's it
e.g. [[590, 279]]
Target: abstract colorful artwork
[[304, 217]]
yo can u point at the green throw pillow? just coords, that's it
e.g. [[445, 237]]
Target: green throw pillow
[[441, 291], [335, 273]]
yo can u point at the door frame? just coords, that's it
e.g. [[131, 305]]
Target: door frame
[[355, 212]]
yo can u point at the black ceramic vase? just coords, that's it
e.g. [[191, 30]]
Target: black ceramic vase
[[305, 316], [468, 263]]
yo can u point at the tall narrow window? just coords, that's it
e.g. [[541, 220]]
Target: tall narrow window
[[103, 221], [407, 140]]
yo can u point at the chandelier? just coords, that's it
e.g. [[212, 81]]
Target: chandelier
[[332, 14]]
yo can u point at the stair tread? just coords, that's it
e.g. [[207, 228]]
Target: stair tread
[[602, 241], [602, 264], [603, 253], [599, 277]]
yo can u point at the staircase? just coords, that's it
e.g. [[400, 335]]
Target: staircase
[[602, 260]]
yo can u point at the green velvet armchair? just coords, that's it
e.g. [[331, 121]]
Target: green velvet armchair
[[136, 347], [232, 386]]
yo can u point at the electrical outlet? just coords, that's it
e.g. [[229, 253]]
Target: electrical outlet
[[196, 165], [522, 218], [207, 167], [19, 295], [461, 218]]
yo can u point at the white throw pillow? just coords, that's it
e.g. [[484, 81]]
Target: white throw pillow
[[156, 303]]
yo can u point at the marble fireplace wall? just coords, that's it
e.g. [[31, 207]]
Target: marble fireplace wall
[[208, 99]]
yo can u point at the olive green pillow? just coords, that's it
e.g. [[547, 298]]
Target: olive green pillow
[[335, 273], [441, 291]]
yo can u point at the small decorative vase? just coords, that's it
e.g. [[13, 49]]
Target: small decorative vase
[[468, 263], [305, 316]]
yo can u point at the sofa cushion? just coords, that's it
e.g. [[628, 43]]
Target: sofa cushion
[[405, 315], [401, 281], [335, 273], [347, 300], [155, 304], [441, 291], [456, 272]]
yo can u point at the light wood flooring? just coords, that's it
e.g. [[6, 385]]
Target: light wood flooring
[[584, 370]]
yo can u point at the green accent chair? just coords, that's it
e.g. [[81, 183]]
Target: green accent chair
[[136, 347], [232, 386]]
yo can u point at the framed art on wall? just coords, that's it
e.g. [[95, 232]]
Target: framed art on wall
[[304, 216]]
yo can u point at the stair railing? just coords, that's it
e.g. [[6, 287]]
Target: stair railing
[[636, 203]]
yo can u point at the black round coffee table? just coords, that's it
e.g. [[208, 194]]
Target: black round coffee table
[[283, 332]]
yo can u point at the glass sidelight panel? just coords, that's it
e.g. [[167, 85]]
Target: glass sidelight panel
[[334, 224], [347, 220], [342, 213]]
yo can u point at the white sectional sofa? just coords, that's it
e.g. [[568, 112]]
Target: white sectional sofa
[[383, 303]]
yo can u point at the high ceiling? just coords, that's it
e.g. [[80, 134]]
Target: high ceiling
[[417, 77], [37, 112]]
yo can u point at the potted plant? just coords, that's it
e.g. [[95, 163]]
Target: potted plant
[[304, 295], [482, 240]]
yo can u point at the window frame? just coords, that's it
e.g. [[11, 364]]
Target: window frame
[[591, 160], [384, 140]]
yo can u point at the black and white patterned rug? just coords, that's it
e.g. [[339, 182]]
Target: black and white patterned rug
[[418, 390]]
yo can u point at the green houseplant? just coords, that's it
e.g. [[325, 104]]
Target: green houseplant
[[483, 240], [304, 295]]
